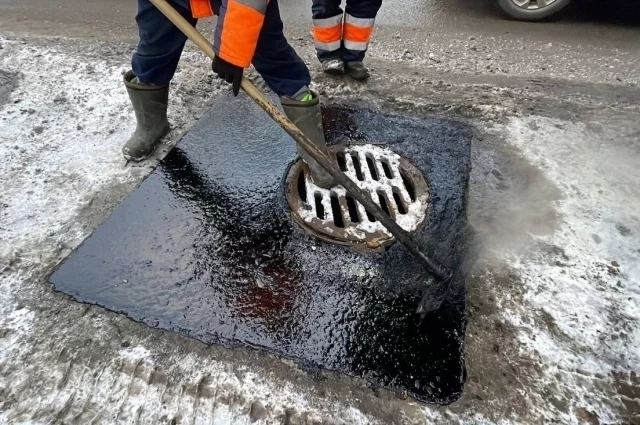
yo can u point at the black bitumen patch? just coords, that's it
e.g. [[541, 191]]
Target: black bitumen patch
[[205, 247]]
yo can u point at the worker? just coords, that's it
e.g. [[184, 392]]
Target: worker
[[342, 40], [247, 32]]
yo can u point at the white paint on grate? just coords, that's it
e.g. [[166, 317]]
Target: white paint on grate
[[415, 210]]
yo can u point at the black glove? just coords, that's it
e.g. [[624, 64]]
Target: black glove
[[228, 72]]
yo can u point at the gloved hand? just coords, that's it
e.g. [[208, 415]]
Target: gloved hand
[[228, 72]]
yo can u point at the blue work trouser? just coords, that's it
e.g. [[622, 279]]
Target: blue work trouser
[[161, 44], [322, 9]]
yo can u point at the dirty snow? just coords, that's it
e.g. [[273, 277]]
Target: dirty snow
[[591, 288], [596, 301], [61, 135]]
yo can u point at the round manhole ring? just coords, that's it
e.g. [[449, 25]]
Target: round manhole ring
[[393, 182]]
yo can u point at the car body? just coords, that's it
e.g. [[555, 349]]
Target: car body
[[532, 10]]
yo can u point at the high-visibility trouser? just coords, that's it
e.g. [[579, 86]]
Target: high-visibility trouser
[[161, 43], [345, 35]]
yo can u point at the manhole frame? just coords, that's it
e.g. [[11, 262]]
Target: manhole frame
[[378, 241]]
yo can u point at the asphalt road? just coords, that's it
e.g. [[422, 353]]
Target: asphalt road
[[613, 23]]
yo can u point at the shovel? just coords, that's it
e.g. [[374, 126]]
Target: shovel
[[442, 275]]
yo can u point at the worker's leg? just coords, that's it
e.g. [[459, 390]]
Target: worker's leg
[[327, 34], [276, 61], [288, 76], [161, 43], [358, 27], [153, 65]]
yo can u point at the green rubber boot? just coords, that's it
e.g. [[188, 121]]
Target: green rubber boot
[[150, 106], [303, 109]]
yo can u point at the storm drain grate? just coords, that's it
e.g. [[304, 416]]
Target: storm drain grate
[[395, 184]]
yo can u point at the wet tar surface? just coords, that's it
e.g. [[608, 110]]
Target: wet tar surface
[[205, 247]]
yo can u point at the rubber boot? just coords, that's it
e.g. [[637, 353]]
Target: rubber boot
[[306, 115], [356, 70], [333, 66], [150, 105]]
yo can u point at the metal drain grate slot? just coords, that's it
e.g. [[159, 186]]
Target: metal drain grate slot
[[355, 165], [370, 217], [302, 187], [392, 182], [382, 201], [354, 216], [372, 168], [342, 161], [336, 210], [399, 202], [319, 207], [386, 168], [408, 186]]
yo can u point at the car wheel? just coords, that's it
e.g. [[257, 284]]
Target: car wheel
[[532, 10]]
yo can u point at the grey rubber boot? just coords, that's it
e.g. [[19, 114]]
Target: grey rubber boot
[[356, 70], [307, 116], [333, 66], [150, 105]]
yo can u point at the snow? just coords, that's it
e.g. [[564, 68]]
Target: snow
[[16, 324], [136, 353], [59, 136], [578, 296], [594, 305], [47, 173]]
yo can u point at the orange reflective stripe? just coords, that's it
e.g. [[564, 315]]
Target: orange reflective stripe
[[327, 34], [240, 32], [201, 8], [357, 34]]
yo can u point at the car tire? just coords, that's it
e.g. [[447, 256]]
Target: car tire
[[520, 13]]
